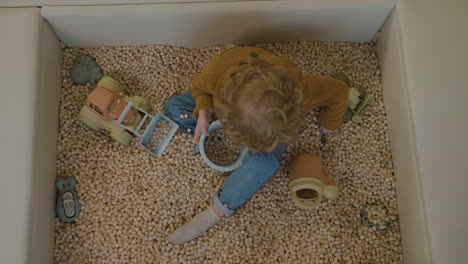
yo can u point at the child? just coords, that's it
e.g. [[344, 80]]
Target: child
[[261, 100]]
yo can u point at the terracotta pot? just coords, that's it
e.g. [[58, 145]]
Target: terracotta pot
[[308, 182]]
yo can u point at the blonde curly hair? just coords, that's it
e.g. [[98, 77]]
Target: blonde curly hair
[[261, 106]]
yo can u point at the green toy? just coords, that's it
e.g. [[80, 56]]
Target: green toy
[[358, 99], [68, 206], [85, 70], [369, 223]]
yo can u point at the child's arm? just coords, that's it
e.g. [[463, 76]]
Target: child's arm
[[203, 86], [330, 95], [202, 89], [203, 122], [204, 83]]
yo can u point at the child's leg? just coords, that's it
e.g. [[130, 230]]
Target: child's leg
[[181, 105], [242, 184]]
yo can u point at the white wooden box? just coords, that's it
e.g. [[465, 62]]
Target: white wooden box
[[422, 51]]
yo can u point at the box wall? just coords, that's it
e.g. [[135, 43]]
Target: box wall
[[409, 196], [20, 77], [39, 3], [195, 25], [47, 120], [434, 41], [435, 61], [30, 71], [411, 88]]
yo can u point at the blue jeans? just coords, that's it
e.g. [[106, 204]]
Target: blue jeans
[[257, 169]]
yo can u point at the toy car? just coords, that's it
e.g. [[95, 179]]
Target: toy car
[[358, 99], [68, 207], [106, 103]]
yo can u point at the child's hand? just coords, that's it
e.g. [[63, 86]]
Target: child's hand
[[323, 138], [204, 119], [326, 131]]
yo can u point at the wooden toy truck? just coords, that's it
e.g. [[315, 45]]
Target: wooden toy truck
[[106, 103]]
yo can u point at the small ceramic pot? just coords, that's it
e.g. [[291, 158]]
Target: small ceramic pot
[[308, 182]]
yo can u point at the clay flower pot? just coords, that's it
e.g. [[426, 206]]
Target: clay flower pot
[[308, 182]]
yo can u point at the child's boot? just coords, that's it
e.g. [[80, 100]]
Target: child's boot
[[195, 227]]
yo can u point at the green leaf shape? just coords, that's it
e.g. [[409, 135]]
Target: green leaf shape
[[85, 70]]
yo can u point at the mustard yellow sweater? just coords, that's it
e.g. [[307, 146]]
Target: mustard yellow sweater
[[328, 94]]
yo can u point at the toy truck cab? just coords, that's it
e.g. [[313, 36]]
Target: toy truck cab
[[109, 105]]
